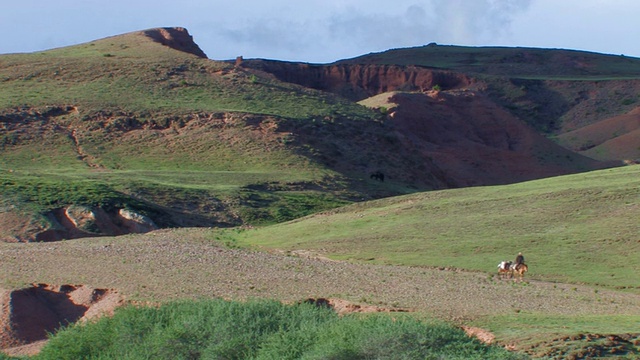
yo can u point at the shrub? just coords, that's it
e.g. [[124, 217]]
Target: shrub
[[218, 329]]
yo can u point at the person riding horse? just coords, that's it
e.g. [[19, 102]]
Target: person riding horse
[[519, 260]]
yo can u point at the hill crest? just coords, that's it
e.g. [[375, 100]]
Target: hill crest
[[177, 38]]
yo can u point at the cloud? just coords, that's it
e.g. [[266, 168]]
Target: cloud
[[381, 30], [475, 22], [351, 30], [448, 21], [313, 30]]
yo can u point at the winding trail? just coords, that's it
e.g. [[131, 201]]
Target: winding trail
[[86, 158]]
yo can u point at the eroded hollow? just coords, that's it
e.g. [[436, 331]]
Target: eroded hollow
[[29, 314]]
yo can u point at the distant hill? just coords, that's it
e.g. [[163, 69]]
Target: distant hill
[[145, 122], [555, 91], [520, 62]]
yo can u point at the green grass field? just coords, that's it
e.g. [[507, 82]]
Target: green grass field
[[577, 229], [556, 221]]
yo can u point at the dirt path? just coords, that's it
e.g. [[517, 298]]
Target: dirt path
[[166, 265]]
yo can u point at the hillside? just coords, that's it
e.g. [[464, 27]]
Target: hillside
[[433, 254], [575, 228], [263, 179], [513, 62], [554, 91], [133, 121], [145, 123]]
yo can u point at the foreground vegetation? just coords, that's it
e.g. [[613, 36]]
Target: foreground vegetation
[[217, 329]]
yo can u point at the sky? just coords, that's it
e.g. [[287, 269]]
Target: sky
[[323, 31]]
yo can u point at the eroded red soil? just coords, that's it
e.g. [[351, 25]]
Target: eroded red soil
[[28, 315]]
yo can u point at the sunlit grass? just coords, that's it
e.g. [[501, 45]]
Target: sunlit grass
[[577, 228]]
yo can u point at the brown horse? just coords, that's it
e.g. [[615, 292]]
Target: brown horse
[[519, 270]]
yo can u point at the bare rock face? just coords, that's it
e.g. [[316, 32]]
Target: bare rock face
[[136, 223], [476, 142], [358, 82], [83, 218], [176, 38], [73, 222]]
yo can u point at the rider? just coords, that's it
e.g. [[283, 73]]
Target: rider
[[519, 260]]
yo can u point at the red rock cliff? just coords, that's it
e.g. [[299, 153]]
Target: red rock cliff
[[358, 82]]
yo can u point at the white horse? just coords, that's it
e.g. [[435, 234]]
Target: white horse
[[504, 269]]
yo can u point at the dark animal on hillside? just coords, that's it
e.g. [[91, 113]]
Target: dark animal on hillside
[[377, 176]]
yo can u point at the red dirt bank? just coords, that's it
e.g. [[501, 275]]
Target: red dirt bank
[[29, 314]]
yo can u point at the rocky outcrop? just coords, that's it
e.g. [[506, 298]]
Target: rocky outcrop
[[83, 217], [176, 38], [78, 221], [357, 82], [136, 223]]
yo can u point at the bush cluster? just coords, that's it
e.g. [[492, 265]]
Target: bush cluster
[[218, 329]]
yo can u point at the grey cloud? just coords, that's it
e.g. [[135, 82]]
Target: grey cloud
[[351, 32], [380, 30], [270, 38], [448, 21], [476, 21]]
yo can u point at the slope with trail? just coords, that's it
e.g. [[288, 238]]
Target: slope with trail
[[290, 138]]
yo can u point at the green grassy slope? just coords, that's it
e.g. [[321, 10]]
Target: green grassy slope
[[577, 229], [133, 72], [127, 117]]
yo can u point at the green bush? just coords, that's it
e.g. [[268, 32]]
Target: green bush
[[217, 329]]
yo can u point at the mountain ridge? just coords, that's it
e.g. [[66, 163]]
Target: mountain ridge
[[145, 121]]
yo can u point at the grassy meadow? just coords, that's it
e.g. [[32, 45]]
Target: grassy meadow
[[577, 229], [553, 221], [145, 76]]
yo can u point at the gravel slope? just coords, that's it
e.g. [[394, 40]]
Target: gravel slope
[[185, 263], [166, 265]]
